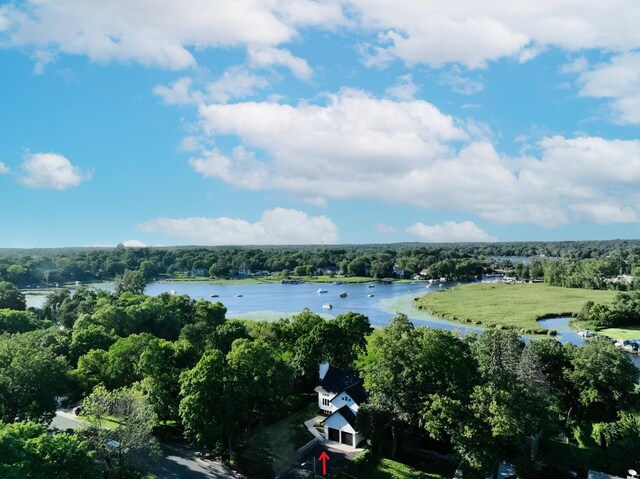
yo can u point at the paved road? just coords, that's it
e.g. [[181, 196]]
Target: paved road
[[176, 463], [65, 419], [179, 463]]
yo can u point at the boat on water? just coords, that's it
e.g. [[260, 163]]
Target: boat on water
[[327, 306], [338, 282], [173, 292], [585, 333], [343, 294], [238, 296], [321, 290], [214, 296], [370, 296], [371, 286]]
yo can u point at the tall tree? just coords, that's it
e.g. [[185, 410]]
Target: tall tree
[[129, 449], [11, 297], [31, 377], [28, 450], [132, 281]]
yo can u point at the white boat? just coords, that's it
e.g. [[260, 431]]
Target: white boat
[[173, 292], [343, 294], [371, 286], [327, 306], [370, 295], [320, 290], [585, 333]]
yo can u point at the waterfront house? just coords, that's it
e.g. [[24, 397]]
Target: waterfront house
[[340, 394]]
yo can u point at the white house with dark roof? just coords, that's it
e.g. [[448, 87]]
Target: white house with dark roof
[[340, 394]]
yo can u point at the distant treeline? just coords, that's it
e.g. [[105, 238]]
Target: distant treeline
[[588, 264]]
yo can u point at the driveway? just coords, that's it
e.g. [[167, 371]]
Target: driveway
[[338, 458]]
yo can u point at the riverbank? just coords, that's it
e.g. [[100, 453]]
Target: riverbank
[[509, 306], [275, 280]]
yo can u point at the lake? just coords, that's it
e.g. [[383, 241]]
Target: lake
[[273, 301]]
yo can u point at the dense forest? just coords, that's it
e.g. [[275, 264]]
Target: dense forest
[[173, 365], [596, 264]]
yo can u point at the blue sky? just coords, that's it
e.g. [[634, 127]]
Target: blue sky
[[333, 121]]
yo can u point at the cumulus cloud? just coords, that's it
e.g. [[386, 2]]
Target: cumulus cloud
[[4, 169], [473, 33], [356, 146], [51, 171], [618, 81], [450, 232], [126, 30], [468, 32], [276, 226]]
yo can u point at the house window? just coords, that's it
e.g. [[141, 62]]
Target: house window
[[325, 401]]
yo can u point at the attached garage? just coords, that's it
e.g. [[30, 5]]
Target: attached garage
[[340, 427], [347, 438]]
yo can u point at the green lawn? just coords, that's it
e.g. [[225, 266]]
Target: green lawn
[[630, 332], [388, 469], [515, 306], [279, 442]]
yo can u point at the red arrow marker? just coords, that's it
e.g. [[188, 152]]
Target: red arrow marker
[[324, 457]]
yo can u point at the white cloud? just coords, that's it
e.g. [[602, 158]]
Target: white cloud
[[42, 58], [472, 32], [134, 243], [277, 226], [450, 232], [357, 146], [269, 56], [51, 171], [382, 228], [4, 169], [179, 92], [468, 32], [578, 65], [164, 33], [460, 83], [404, 89], [235, 83], [618, 81]]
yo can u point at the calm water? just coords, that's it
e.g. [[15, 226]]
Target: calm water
[[273, 301]]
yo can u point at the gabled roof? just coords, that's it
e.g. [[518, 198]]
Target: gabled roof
[[357, 393], [337, 380], [347, 414]]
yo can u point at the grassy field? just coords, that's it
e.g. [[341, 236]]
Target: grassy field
[[513, 306], [389, 469], [630, 332]]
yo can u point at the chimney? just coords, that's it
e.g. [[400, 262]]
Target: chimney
[[324, 367]]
